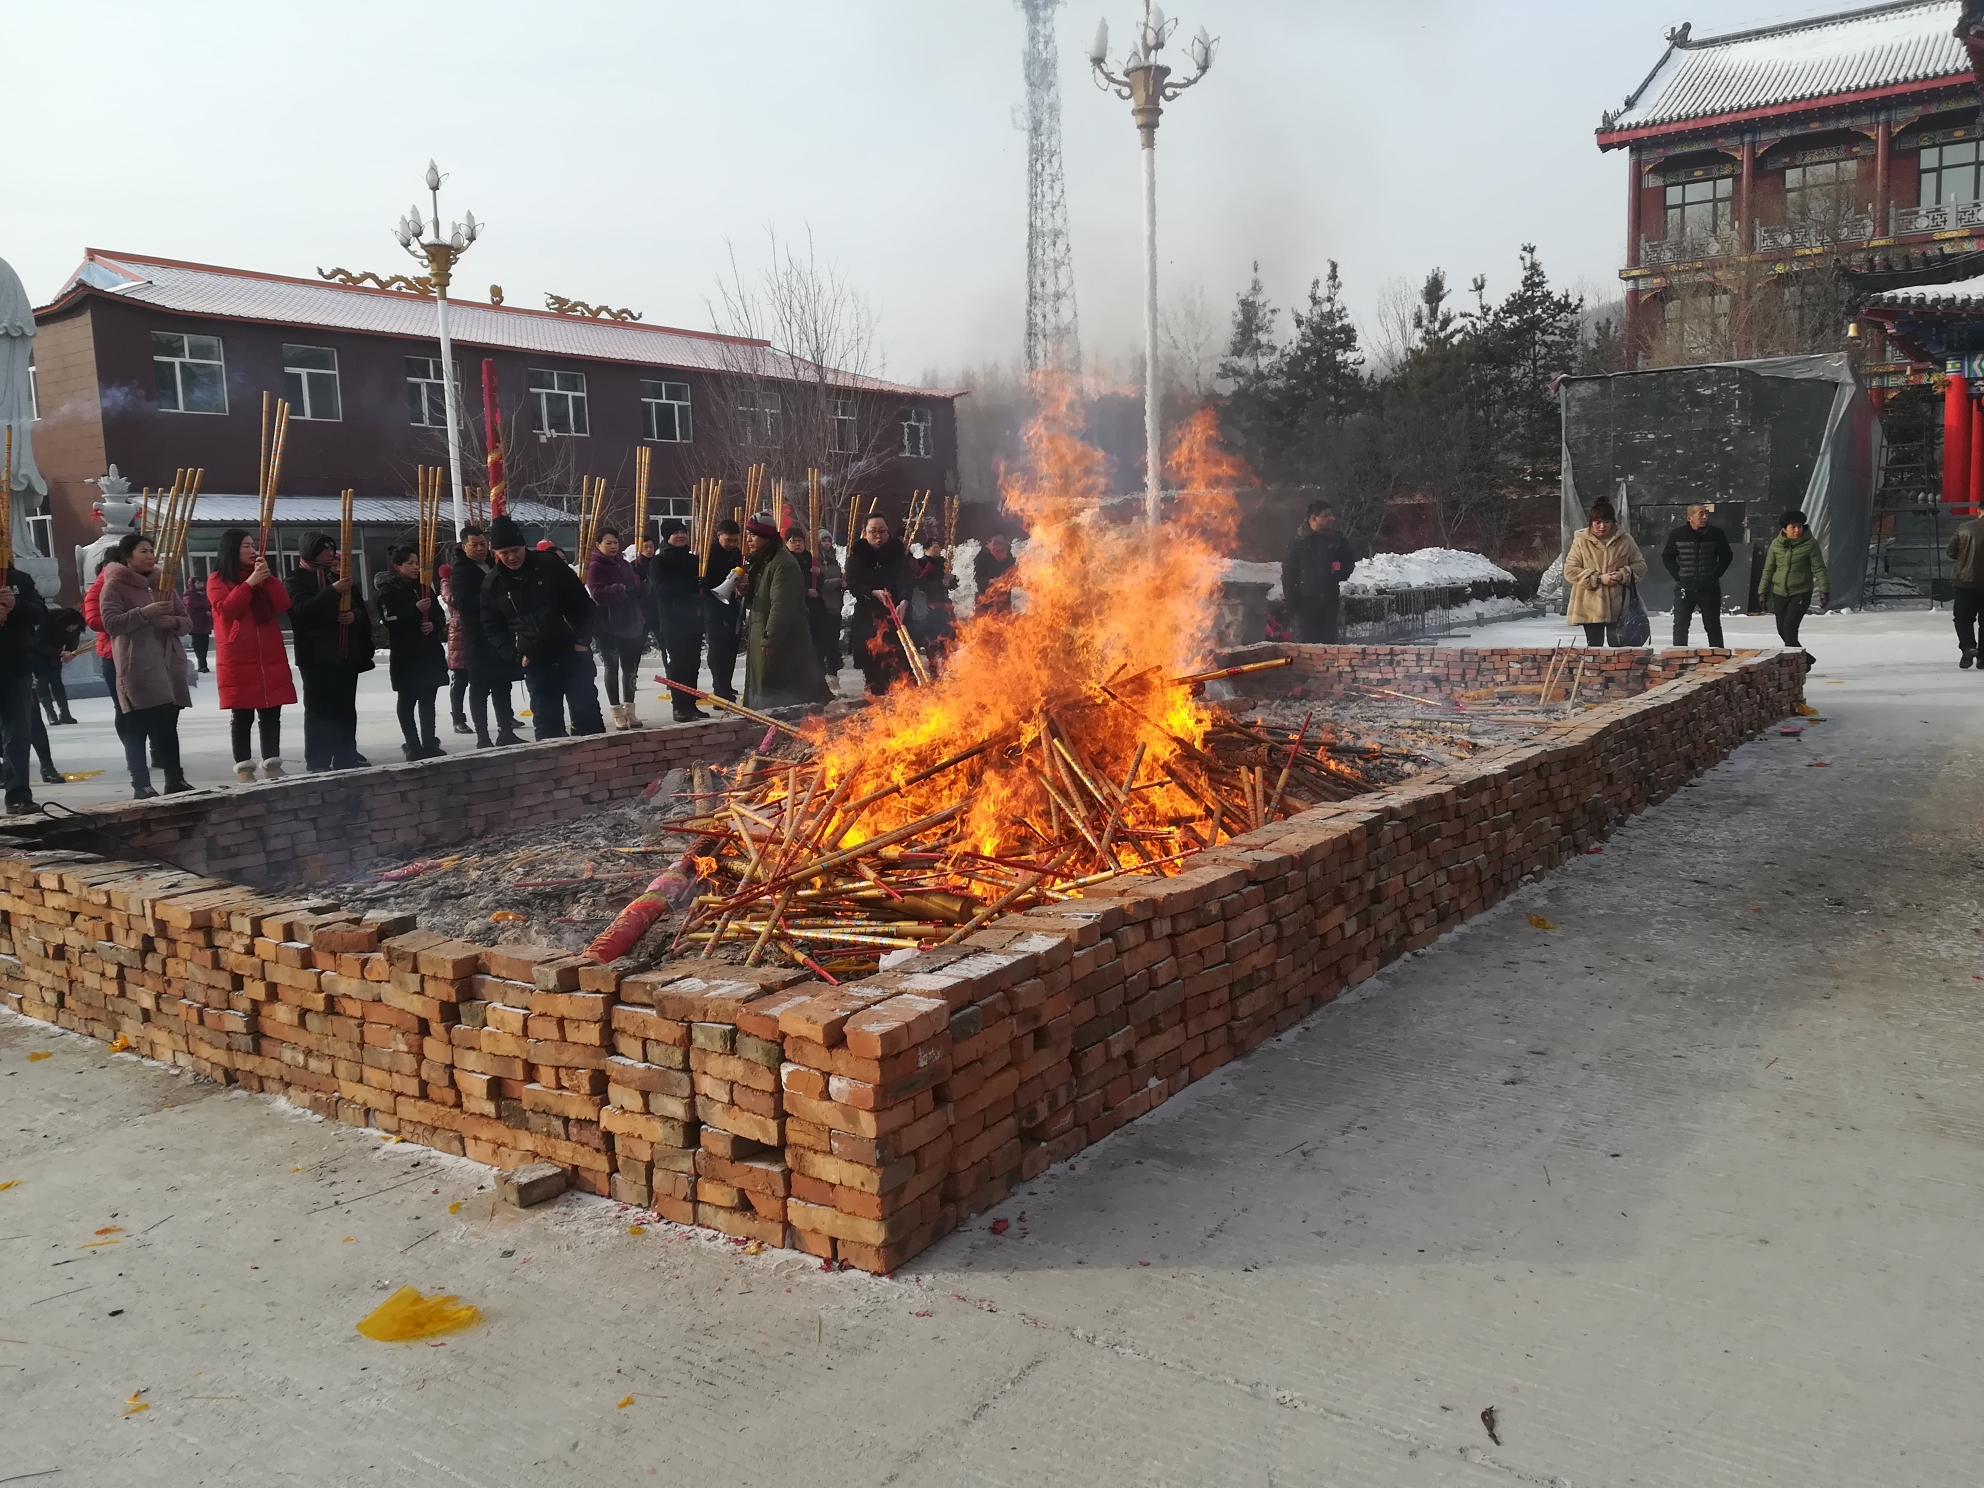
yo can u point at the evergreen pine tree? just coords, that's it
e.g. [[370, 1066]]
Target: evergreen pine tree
[[1253, 413], [1321, 373]]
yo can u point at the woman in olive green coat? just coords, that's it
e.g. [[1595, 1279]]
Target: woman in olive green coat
[[781, 669], [1794, 576]]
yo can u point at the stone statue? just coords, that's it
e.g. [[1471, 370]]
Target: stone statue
[[30, 491], [116, 513]]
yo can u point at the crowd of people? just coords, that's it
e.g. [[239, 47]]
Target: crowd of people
[[502, 611], [1604, 565]]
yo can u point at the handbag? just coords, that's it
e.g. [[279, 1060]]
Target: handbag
[[1633, 627]]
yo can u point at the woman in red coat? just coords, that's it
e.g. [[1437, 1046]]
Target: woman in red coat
[[251, 665]]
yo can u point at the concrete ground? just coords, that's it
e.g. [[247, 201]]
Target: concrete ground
[[1684, 1185], [90, 748]]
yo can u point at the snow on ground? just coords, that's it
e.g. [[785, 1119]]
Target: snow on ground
[[1429, 568], [1858, 637], [1475, 612]]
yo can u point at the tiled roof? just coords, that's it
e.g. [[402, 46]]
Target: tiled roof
[[1965, 294], [1878, 46], [236, 294]]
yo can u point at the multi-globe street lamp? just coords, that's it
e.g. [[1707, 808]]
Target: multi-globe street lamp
[[1146, 83], [423, 240]]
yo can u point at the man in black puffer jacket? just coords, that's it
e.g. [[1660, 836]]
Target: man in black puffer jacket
[[537, 614], [1696, 556], [1312, 576]]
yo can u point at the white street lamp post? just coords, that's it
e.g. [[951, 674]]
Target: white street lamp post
[[440, 255], [1146, 82]]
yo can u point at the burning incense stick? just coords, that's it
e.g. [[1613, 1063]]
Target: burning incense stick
[[272, 472], [642, 458]]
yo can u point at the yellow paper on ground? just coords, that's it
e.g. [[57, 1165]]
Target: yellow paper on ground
[[407, 1317]]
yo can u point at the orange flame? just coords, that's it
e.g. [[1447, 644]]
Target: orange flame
[[1109, 613]]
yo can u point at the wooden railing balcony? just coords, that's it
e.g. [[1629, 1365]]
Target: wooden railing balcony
[[1785, 236], [1947, 217], [1689, 247]]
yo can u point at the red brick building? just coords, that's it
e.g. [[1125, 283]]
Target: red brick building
[[1764, 166], [152, 364]]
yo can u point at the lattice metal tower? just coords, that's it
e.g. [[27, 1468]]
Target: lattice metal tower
[[1053, 337]]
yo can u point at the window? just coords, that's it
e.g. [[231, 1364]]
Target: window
[[844, 430], [561, 402], [665, 412], [758, 411], [310, 375], [1821, 192], [191, 376], [426, 398], [1697, 209], [916, 433], [1949, 174], [34, 393], [42, 531], [1698, 325]]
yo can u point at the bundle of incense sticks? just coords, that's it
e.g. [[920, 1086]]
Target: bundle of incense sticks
[[704, 503], [813, 507], [952, 507], [274, 432], [344, 565], [919, 503], [854, 516], [7, 510], [428, 530], [592, 499], [778, 505], [168, 533], [754, 489], [643, 457]]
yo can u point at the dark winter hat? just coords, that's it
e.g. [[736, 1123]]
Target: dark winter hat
[[761, 526], [672, 525], [505, 533], [315, 543], [1793, 519]]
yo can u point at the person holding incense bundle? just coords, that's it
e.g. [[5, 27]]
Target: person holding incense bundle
[[22, 614], [620, 624], [416, 631], [675, 581], [880, 575], [538, 616], [333, 645], [490, 673], [251, 666], [723, 608], [144, 626], [458, 679], [781, 668], [200, 610]]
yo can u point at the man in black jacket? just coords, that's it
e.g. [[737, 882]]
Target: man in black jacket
[[1696, 557], [536, 612], [723, 618], [333, 645], [675, 581], [1312, 576], [22, 614]]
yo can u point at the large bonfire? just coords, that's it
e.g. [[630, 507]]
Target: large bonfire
[[1064, 744]]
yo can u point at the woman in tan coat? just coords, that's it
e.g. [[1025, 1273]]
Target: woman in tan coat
[[1602, 562], [144, 629]]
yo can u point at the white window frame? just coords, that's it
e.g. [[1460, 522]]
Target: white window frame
[[659, 401], [183, 360], [919, 439], [762, 411], [572, 398], [431, 381], [844, 428], [34, 393], [305, 386], [42, 530]]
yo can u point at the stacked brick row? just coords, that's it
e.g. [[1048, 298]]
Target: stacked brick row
[[856, 1122], [1600, 675], [332, 827]]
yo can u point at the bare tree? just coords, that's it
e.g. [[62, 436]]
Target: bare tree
[[1390, 333], [797, 386], [1192, 333]]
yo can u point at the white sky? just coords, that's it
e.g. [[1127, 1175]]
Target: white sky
[[613, 147]]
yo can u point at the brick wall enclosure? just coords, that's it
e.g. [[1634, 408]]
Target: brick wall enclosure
[[862, 1122], [331, 827]]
